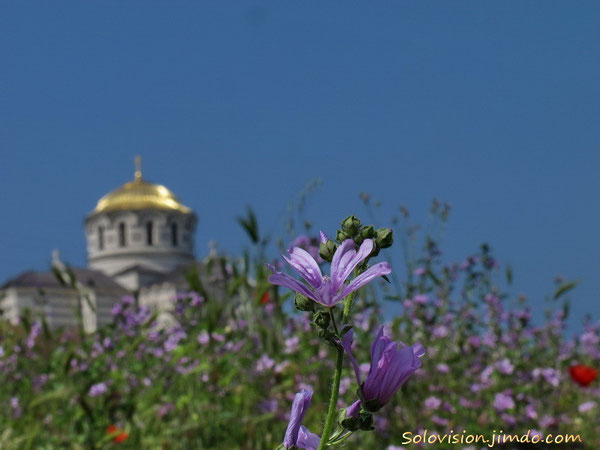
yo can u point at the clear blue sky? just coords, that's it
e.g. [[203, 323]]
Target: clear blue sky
[[493, 106]]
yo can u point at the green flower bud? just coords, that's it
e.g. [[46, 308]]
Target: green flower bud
[[358, 239], [303, 303], [351, 225], [350, 423], [368, 232], [341, 236], [327, 249], [365, 421], [321, 319], [384, 237]]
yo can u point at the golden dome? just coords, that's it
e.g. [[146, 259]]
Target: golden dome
[[140, 194]]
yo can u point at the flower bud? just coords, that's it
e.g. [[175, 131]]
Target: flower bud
[[350, 423], [327, 249], [303, 303], [368, 232], [321, 319], [365, 421], [351, 225], [384, 237], [341, 236]]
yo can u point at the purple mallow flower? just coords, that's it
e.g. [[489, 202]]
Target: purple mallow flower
[[503, 401], [329, 290], [390, 367], [296, 433], [97, 389]]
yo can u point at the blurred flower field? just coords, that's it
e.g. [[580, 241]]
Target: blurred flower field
[[225, 371]]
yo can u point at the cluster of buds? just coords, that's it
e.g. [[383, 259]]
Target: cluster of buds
[[353, 229], [321, 318]]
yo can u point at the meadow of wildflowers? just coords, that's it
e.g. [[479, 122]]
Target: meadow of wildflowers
[[295, 352]]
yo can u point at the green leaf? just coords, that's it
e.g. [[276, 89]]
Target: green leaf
[[250, 225], [53, 395], [563, 289]]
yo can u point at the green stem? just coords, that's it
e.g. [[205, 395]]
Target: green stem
[[337, 375], [335, 389]]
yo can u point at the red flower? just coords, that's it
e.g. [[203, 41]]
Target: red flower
[[265, 298], [583, 375], [118, 434]]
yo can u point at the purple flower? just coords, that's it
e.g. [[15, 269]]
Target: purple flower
[[165, 409], [505, 367], [264, 363], [530, 412], [329, 290], [297, 434], [203, 337], [35, 331], [390, 368], [442, 368], [97, 389], [291, 344], [587, 406], [503, 401], [433, 403], [419, 271], [549, 374], [16, 407], [172, 342]]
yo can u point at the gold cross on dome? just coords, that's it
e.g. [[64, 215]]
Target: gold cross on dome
[[138, 168]]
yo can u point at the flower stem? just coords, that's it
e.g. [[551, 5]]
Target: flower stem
[[335, 389], [337, 375]]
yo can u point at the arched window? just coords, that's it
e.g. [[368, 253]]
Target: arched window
[[122, 235], [100, 238], [174, 236], [149, 233]]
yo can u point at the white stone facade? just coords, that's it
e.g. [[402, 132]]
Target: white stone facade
[[131, 246]]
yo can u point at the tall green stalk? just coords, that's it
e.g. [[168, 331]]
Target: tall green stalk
[[337, 375]]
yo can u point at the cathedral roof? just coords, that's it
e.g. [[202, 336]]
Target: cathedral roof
[[90, 278], [140, 194]]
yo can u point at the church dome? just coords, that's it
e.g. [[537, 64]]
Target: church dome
[[140, 194]]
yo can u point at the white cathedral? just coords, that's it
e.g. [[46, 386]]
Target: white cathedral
[[140, 241]]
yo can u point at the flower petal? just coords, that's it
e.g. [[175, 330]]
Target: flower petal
[[382, 268], [374, 383], [307, 440], [353, 410], [345, 269], [402, 366], [299, 407], [323, 237], [306, 266], [282, 279], [378, 346], [340, 258], [347, 344]]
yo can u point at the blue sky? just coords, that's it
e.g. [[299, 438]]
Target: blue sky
[[492, 106]]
